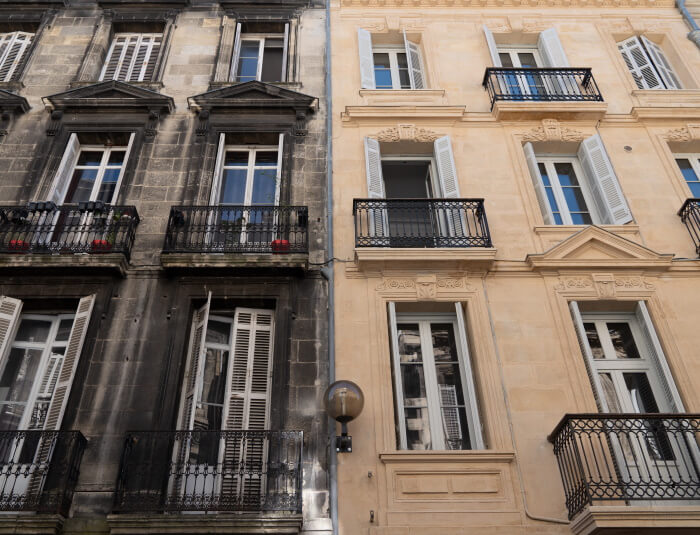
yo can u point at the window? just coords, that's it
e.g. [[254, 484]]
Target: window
[[648, 64], [433, 385], [260, 56], [689, 165], [14, 50], [390, 66], [91, 172], [132, 57], [578, 190]]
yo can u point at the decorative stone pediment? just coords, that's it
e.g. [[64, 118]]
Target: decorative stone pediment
[[595, 247], [11, 103]]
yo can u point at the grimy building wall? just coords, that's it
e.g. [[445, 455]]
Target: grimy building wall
[[131, 372]]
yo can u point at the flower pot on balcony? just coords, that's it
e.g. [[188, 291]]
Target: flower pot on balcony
[[101, 245], [18, 246], [280, 246]]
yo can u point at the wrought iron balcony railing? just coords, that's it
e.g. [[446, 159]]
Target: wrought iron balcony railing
[[254, 471], [39, 470], [690, 215], [541, 85], [627, 457], [43, 227], [237, 229], [420, 223]]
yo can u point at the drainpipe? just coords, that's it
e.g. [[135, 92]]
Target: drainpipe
[[694, 34]]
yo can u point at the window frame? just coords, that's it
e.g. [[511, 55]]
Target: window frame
[[514, 50], [694, 160], [393, 51], [250, 171], [102, 168], [434, 177], [548, 160], [260, 37]]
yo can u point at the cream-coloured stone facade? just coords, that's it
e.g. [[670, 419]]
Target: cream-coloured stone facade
[[527, 365]]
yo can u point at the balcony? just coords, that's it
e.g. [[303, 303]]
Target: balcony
[[418, 230], [38, 474], [690, 216], [236, 236], [255, 474], [635, 472], [538, 93], [89, 235]]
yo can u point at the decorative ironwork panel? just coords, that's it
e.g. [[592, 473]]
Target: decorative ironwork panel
[[627, 457], [541, 85], [420, 223], [237, 229], [39, 470], [45, 228], [211, 471], [690, 216]]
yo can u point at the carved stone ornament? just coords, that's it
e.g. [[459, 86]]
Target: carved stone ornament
[[633, 283], [552, 130], [605, 285], [396, 284], [689, 132], [574, 283], [406, 132], [426, 287], [454, 283]]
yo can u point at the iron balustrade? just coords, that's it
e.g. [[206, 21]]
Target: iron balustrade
[[92, 228], [237, 229], [538, 85], [255, 471], [627, 457], [39, 470], [420, 223], [690, 216]]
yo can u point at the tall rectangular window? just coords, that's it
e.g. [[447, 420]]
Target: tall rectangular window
[[392, 66], [648, 64], [689, 164], [132, 57], [567, 195], [260, 52]]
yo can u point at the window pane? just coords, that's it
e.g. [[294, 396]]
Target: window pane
[[623, 341], [454, 422], [413, 380], [90, 157], [506, 60], [527, 60], [581, 219], [218, 332], [573, 195], [690, 176], [609, 393], [594, 341], [16, 385], [81, 185], [382, 71], [33, 331], [409, 343], [266, 158], [417, 429], [640, 392], [109, 184], [264, 186], [236, 157], [116, 157], [272, 63], [248, 61], [64, 329], [233, 186]]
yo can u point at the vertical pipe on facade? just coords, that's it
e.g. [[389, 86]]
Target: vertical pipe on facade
[[694, 34], [333, 468]]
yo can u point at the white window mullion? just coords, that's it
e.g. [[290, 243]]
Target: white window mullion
[[398, 382], [250, 177], [261, 52]]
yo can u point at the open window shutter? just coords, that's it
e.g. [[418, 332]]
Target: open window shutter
[[373, 162], [447, 171], [114, 56], [364, 40], [475, 436], [13, 56], [639, 64], [10, 309], [540, 191], [115, 195], [5, 40], [658, 358], [588, 357], [285, 51], [398, 387], [663, 66], [236, 53], [78, 332], [604, 186], [196, 353], [551, 50], [216, 179], [415, 63], [493, 49], [278, 175], [65, 170]]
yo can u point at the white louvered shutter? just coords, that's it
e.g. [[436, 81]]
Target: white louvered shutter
[[132, 57], [375, 188], [536, 177], [285, 52], [639, 64], [449, 184], [551, 49], [236, 53], [493, 49], [364, 41], [196, 354], [608, 196], [656, 352], [415, 63], [10, 309], [13, 51], [475, 435], [146, 57], [588, 357], [114, 58], [65, 170], [663, 66]]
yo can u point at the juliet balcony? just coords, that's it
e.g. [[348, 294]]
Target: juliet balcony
[[690, 216], [634, 472], [251, 479], [236, 236], [87, 235], [564, 93], [420, 230]]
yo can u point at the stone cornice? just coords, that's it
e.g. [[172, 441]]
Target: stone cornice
[[527, 4]]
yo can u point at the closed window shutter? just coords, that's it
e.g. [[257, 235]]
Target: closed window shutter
[[65, 170], [540, 191], [114, 57], [608, 196], [13, 50], [475, 436], [655, 351], [364, 41], [639, 64], [588, 357], [146, 58], [375, 187], [415, 63], [236, 53], [551, 49], [131, 47], [493, 49], [10, 310], [663, 66]]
